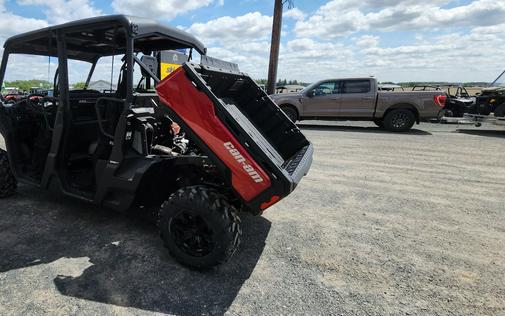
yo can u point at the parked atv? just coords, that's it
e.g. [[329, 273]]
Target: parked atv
[[492, 98], [458, 102], [204, 146]]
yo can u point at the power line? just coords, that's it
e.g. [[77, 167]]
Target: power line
[[291, 3]]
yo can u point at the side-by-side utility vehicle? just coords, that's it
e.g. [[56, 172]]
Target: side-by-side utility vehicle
[[200, 146], [492, 98]]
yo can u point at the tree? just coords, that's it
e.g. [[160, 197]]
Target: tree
[[79, 85], [26, 85]]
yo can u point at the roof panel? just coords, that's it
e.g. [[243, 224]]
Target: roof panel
[[94, 34]]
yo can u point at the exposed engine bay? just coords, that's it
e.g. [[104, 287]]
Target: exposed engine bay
[[154, 133]]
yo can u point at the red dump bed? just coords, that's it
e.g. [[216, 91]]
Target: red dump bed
[[262, 153]]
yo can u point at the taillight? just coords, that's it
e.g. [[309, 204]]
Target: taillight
[[274, 199], [440, 100]]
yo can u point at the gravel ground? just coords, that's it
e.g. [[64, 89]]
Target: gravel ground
[[384, 224]]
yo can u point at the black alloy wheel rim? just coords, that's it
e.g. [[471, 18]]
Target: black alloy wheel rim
[[191, 234], [399, 120]]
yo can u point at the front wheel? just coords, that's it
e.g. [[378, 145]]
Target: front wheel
[[199, 227], [290, 113], [399, 120], [8, 183]]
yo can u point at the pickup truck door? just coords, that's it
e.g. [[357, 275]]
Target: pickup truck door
[[323, 100], [357, 98]]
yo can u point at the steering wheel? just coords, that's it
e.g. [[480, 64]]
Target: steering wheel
[[34, 99]]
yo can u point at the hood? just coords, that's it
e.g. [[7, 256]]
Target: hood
[[285, 95], [493, 89]]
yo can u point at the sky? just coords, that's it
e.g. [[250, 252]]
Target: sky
[[394, 40]]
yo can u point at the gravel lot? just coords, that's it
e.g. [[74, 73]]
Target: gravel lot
[[385, 224]]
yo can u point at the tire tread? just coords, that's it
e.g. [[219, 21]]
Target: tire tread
[[217, 203], [8, 183], [389, 126]]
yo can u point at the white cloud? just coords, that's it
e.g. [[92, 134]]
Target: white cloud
[[341, 38], [367, 40], [11, 24], [323, 47], [229, 31], [340, 18], [159, 9], [455, 57], [295, 14], [60, 11], [242, 39], [309, 60]]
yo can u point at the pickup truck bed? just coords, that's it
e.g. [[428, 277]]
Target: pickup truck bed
[[423, 101]]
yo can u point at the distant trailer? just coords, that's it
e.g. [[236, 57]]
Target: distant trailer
[[475, 119]]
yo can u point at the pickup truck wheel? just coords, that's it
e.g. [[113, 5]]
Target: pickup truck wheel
[[8, 183], [379, 123], [500, 111], [399, 120], [290, 112], [199, 227]]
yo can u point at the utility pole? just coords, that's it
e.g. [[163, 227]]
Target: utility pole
[[276, 41]]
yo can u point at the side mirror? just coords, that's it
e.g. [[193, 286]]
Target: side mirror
[[310, 94]]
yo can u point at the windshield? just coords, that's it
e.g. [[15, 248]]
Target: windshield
[[309, 87], [500, 81]]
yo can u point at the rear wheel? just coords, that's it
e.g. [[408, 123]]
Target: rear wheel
[[399, 120], [290, 112], [8, 183], [199, 227]]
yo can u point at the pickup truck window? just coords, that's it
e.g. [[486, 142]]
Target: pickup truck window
[[356, 86], [325, 88]]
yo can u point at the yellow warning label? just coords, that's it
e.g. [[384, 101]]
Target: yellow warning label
[[166, 69]]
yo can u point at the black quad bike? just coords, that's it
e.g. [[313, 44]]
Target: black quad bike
[[200, 146], [492, 98]]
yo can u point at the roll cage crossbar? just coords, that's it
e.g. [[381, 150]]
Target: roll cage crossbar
[[146, 69], [89, 40]]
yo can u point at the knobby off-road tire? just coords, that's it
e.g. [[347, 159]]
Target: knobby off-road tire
[[399, 120], [199, 227], [290, 112], [8, 183]]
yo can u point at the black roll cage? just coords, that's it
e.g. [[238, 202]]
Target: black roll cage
[[85, 40], [62, 71], [90, 39]]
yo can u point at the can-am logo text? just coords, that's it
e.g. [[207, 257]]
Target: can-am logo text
[[240, 159]]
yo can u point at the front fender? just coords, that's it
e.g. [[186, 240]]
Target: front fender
[[295, 103]]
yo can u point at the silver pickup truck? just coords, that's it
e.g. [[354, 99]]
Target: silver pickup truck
[[359, 99]]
